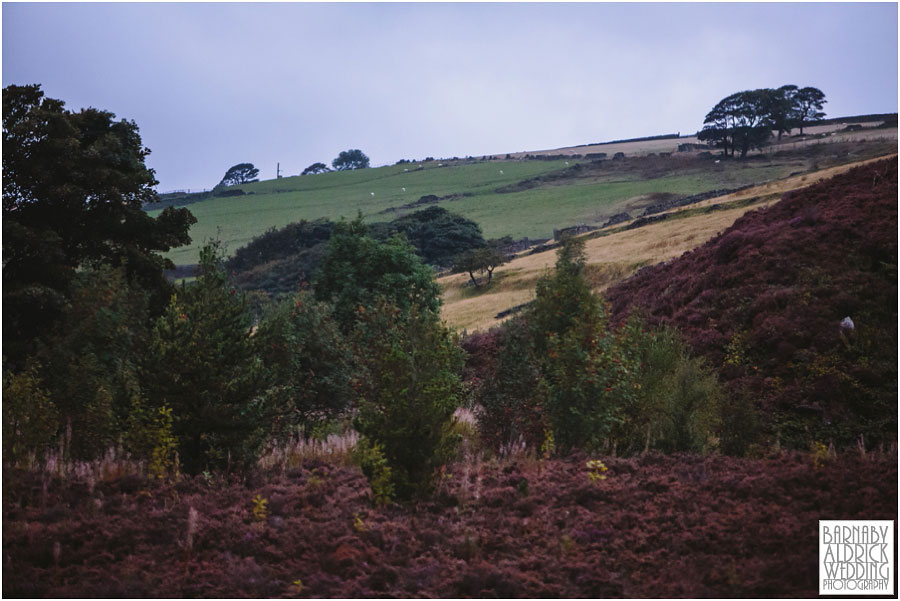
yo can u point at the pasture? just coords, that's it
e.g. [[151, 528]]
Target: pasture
[[520, 198]]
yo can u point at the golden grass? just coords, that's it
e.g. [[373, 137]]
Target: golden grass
[[611, 258]]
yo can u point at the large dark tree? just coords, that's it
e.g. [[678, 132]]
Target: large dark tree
[[350, 159], [808, 104], [73, 188], [242, 173], [741, 121], [782, 108]]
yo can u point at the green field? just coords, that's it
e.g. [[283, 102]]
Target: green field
[[590, 196]]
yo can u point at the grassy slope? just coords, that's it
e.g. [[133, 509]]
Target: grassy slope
[[533, 212], [610, 258]]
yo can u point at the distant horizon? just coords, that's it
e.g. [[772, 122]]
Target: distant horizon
[[212, 85]]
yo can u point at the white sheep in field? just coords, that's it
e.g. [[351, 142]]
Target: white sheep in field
[[404, 189], [372, 193], [406, 171], [501, 172]]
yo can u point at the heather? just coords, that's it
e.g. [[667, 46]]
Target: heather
[[657, 526], [763, 302]]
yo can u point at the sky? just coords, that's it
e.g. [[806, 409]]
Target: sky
[[211, 85]]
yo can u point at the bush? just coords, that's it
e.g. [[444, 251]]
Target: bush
[[309, 362], [30, 420], [408, 389]]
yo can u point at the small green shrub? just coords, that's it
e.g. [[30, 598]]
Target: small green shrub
[[30, 419], [375, 467]]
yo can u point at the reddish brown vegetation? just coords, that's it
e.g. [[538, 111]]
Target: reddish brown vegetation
[[678, 526], [764, 300]]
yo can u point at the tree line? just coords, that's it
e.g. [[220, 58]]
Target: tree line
[[745, 120]]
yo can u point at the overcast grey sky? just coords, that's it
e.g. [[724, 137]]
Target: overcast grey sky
[[211, 85]]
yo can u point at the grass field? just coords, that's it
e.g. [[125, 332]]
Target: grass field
[[612, 257], [590, 195]]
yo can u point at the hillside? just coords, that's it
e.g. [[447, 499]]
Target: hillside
[[616, 252], [517, 197], [764, 301]]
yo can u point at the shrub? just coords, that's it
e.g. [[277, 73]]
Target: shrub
[[676, 405], [408, 390], [563, 374], [309, 362], [30, 420]]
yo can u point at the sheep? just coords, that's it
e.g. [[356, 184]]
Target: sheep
[[372, 193]]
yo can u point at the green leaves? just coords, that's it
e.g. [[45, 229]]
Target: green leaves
[[409, 388]]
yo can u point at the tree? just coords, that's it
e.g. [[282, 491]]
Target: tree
[[485, 260], [203, 364], [782, 108], [73, 189], [350, 159], [808, 106], [409, 389], [437, 234], [744, 117], [358, 270], [316, 168], [242, 173], [308, 360]]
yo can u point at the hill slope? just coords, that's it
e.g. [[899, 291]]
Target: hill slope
[[520, 198], [764, 301]]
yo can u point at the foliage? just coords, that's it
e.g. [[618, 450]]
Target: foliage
[[408, 389], [204, 365], [350, 159], [30, 420], [484, 259], [562, 374], [73, 188], [281, 243], [279, 261], [744, 117], [357, 270], [808, 103], [511, 394], [375, 467], [309, 362], [164, 455], [92, 365], [677, 401], [242, 173], [437, 234], [316, 168]]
